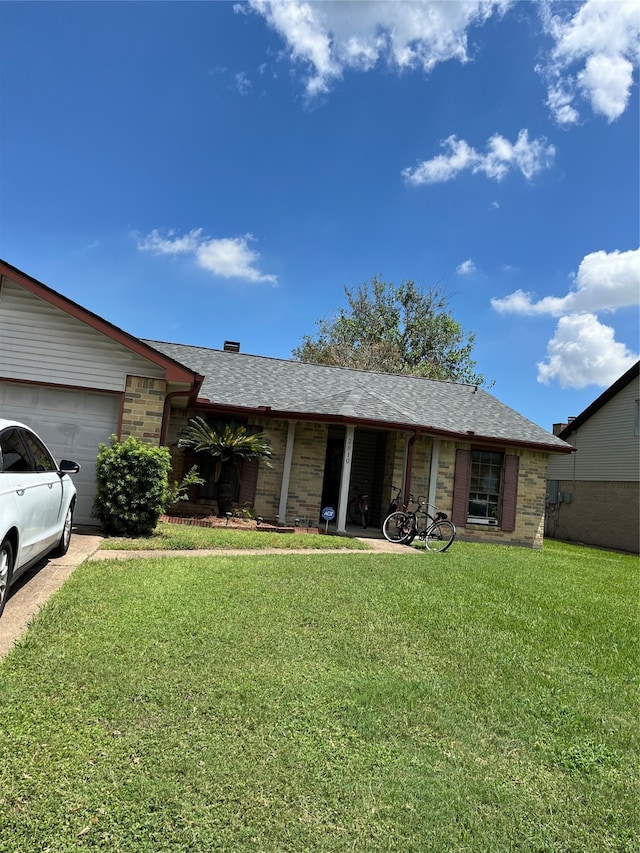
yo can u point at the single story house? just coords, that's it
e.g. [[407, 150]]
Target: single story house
[[593, 494], [76, 378]]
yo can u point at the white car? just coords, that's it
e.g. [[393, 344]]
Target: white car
[[37, 499]]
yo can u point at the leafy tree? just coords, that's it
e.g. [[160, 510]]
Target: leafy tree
[[227, 445], [394, 329]]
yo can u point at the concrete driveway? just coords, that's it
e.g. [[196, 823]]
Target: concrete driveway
[[33, 589]]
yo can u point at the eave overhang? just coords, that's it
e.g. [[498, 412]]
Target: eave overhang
[[425, 429], [604, 398]]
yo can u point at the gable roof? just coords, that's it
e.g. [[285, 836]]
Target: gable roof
[[174, 371], [603, 399], [288, 389]]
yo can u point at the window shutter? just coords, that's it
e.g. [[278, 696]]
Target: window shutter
[[460, 507], [510, 493], [248, 481]]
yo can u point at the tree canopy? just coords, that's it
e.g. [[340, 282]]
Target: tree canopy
[[391, 328]]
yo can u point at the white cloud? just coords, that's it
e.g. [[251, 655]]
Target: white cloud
[[226, 257], [584, 352], [466, 267], [330, 37], [243, 84], [604, 282], [595, 50], [527, 156]]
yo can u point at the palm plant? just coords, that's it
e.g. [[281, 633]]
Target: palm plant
[[228, 446]]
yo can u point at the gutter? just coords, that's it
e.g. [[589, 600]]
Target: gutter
[[425, 429]]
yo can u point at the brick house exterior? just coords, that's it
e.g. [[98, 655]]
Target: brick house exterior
[[334, 432], [421, 435]]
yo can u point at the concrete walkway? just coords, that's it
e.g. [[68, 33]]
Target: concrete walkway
[[375, 546], [34, 588], [32, 591]]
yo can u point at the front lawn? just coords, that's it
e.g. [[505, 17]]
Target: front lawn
[[179, 537], [479, 700]]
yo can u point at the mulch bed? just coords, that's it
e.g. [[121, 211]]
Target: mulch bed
[[234, 523]]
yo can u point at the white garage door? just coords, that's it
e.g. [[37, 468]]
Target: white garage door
[[72, 425]]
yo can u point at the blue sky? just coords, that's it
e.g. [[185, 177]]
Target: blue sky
[[197, 172]]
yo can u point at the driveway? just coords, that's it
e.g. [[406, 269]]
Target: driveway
[[34, 588]]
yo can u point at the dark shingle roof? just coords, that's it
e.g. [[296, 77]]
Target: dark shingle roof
[[293, 387]]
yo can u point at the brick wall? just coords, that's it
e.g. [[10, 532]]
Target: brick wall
[[269, 483], [446, 473], [143, 406], [421, 467], [532, 485], [307, 472], [605, 514], [307, 466]]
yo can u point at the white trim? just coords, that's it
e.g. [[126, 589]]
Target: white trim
[[286, 473], [345, 477]]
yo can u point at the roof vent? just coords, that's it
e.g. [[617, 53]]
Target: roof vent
[[232, 346]]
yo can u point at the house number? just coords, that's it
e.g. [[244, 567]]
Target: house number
[[348, 451]]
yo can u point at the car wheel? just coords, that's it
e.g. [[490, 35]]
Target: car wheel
[[6, 565], [65, 538]]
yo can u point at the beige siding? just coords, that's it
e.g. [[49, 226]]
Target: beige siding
[[41, 343], [606, 447]]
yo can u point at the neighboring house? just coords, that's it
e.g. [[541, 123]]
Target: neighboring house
[[334, 431], [593, 495]]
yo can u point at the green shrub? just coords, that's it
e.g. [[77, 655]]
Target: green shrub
[[133, 486]]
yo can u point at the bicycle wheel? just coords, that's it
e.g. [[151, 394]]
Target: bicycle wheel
[[398, 527], [439, 536]]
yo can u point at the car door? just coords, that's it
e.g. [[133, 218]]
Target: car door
[[29, 495], [48, 486]]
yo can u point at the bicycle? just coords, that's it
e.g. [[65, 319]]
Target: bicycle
[[396, 504], [437, 532], [395, 501], [358, 510]]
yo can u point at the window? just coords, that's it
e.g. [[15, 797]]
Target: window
[[636, 430], [485, 485], [41, 456], [485, 488], [22, 452], [14, 455]]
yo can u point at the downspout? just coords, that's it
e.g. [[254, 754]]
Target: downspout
[[409, 465], [433, 471], [192, 393]]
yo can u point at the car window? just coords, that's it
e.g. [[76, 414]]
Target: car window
[[14, 456], [41, 456]]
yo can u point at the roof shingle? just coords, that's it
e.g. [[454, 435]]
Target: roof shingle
[[293, 387]]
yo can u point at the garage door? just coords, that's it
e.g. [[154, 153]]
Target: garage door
[[71, 423]]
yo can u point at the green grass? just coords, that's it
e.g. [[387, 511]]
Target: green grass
[[177, 537], [479, 700]]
